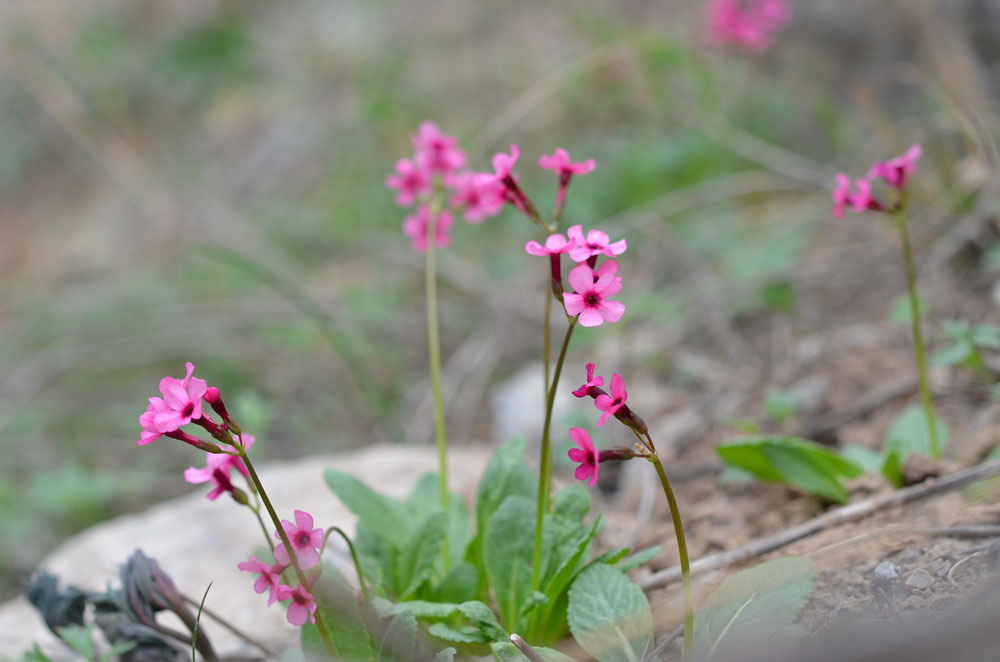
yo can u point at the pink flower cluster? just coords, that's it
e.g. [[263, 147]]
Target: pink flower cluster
[[592, 288], [437, 166], [858, 196], [307, 543], [751, 24]]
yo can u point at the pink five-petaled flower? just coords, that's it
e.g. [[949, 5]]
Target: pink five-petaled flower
[[415, 227], [479, 195], [595, 243], [610, 404], [180, 405], [592, 381], [437, 151], [590, 301], [859, 200], [503, 163], [555, 244], [895, 171], [411, 180], [217, 468], [270, 577], [304, 538], [303, 606], [585, 454], [560, 163], [748, 23]]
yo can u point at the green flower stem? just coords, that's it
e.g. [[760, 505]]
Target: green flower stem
[[260, 520], [354, 557], [918, 339], [546, 333], [434, 351], [323, 634], [682, 552], [545, 468]]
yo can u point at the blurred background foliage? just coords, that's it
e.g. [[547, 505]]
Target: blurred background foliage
[[203, 180]]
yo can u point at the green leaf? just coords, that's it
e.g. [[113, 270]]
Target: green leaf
[[572, 502], [956, 329], [483, 618], [385, 516], [445, 655], [459, 585], [399, 641], [534, 600], [909, 434], [338, 607], [952, 354], [864, 457], [424, 610], [504, 651], [901, 313], [799, 462], [780, 405], [986, 336], [639, 558], [609, 616], [79, 638], [570, 565], [418, 557], [506, 474], [426, 498], [35, 655], [755, 603], [510, 543], [612, 556], [464, 635]]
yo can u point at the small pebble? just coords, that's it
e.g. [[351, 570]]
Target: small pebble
[[912, 554], [885, 580], [919, 579]]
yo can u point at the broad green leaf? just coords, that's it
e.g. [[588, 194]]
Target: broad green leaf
[[534, 600], [425, 609], [559, 538], [376, 557], [612, 556], [483, 618], [639, 558], [466, 634], [504, 651], [506, 474], [780, 405], [445, 655], [952, 354], [609, 616], [570, 565], [956, 329], [864, 457], [35, 655], [754, 604], [909, 434], [79, 638], [399, 641], [510, 544], [459, 585], [426, 498], [385, 516], [480, 616], [338, 607], [986, 336], [901, 312], [799, 462], [418, 557], [572, 502]]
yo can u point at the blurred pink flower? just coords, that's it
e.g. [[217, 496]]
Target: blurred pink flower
[[560, 163], [595, 243], [841, 194], [585, 454], [411, 180], [592, 381], [590, 300], [217, 468], [436, 151], [479, 195], [895, 171], [270, 577], [182, 402], [751, 24], [302, 607], [610, 404], [554, 245], [415, 227], [150, 432], [862, 199], [503, 163], [305, 540]]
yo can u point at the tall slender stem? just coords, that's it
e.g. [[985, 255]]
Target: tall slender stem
[[546, 333], [434, 352], [683, 553], [323, 634], [918, 337], [545, 468], [260, 520], [357, 564]]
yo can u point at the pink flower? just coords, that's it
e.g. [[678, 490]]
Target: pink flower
[[182, 403], [411, 180], [270, 577], [306, 541], [480, 195], [592, 381], [586, 455], [303, 606], [150, 432], [590, 300], [862, 199], [841, 194], [555, 244], [504, 163], [895, 171], [607, 267], [610, 404], [217, 468], [437, 151], [560, 163], [751, 24], [595, 243], [415, 227]]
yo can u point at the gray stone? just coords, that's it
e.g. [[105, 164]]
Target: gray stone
[[197, 541], [919, 579], [886, 580]]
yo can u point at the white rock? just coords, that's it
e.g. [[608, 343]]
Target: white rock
[[197, 541]]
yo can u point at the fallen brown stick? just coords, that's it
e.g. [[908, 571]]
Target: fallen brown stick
[[848, 513]]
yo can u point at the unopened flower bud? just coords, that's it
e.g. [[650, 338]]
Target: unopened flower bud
[[211, 395]]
